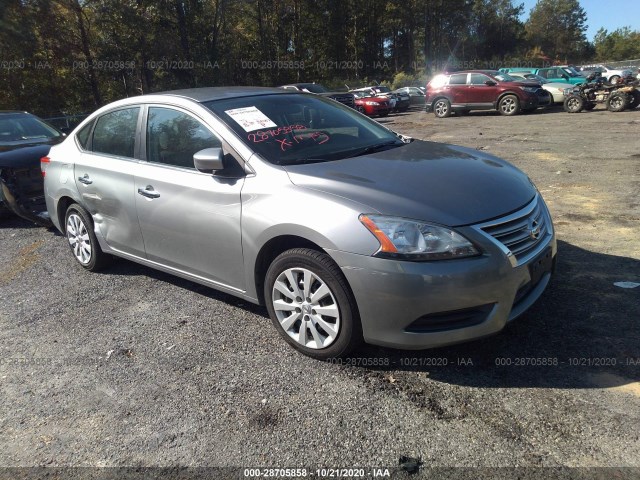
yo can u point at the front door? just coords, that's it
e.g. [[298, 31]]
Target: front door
[[190, 220]]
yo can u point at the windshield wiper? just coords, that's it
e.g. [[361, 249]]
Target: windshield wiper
[[302, 161], [377, 147]]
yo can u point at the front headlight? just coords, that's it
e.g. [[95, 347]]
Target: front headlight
[[413, 240], [371, 103], [530, 89], [567, 91]]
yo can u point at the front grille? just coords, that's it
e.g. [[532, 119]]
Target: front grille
[[345, 100], [521, 233]]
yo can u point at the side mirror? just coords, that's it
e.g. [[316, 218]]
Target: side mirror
[[208, 160], [490, 83]]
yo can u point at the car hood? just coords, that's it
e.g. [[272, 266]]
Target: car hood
[[373, 99], [23, 155], [559, 85], [434, 182]]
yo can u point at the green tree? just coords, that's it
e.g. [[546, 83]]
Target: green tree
[[557, 27], [621, 44]]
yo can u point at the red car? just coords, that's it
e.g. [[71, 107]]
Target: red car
[[483, 90], [372, 106]]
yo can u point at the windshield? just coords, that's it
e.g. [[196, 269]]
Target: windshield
[[571, 72], [292, 129], [314, 88], [503, 77], [20, 127]]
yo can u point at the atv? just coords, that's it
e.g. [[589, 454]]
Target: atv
[[616, 96]]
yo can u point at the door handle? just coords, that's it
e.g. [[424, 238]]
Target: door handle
[[148, 192], [85, 179]]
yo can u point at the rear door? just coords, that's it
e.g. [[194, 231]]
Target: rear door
[[104, 176], [457, 89], [190, 220]]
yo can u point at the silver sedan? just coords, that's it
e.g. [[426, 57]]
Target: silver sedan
[[343, 229]]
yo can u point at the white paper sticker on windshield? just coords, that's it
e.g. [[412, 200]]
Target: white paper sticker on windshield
[[250, 118]]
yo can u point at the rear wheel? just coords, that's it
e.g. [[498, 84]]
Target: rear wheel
[[442, 108], [574, 104], [82, 240], [311, 305], [509, 105], [614, 79], [635, 99], [617, 102]]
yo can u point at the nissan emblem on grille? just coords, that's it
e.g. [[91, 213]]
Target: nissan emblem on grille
[[534, 229]]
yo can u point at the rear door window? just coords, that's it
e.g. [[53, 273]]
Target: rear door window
[[458, 79], [115, 133]]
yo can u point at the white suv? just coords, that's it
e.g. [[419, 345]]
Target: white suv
[[611, 74]]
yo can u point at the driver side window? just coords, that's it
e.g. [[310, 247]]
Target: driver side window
[[174, 136]]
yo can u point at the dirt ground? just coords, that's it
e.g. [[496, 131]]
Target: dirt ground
[[132, 367]]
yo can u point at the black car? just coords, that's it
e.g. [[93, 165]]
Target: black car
[[343, 97], [24, 140]]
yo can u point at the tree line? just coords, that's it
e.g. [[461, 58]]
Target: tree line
[[72, 56]]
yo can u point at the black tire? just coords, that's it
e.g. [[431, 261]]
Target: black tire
[[297, 262], [5, 212], [83, 234], [617, 102], [614, 79], [442, 108], [574, 104], [385, 114], [635, 99], [528, 110], [589, 106], [360, 108], [509, 105]]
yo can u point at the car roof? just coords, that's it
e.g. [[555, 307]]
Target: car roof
[[206, 94]]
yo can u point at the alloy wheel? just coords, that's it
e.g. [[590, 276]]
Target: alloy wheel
[[306, 308], [78, 237]]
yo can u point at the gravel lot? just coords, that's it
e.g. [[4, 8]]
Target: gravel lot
[[132, 367]]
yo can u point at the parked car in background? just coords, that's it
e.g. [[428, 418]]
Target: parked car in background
[[381, 91], [556, 89], [610, 74], [343, 97], [416, 95], [344, 231], [561, 74], [483, 90], [24, 140], [372, 105]]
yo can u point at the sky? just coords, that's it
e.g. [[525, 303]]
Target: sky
[[601, 13]]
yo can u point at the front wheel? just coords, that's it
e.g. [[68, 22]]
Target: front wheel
[[614, 79], [617, 102], [574, 104], [311, 305], [82, 240], [509, 105]]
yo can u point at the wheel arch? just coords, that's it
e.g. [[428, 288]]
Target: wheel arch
[[61, 210], [268, 253]]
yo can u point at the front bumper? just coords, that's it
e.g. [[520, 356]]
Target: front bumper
[[416, 305]]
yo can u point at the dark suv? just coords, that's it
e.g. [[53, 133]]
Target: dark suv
[[483, 90]]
